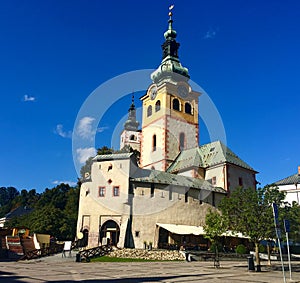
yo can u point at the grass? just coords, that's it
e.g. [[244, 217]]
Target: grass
[[118, 259]]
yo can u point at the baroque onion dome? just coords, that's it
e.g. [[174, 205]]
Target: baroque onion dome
[[170, 67], [131, 123]]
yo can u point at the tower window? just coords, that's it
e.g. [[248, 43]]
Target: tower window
[[176, 104], [132, 138], [154, 143], [188, 108], [157, 105], [149, 111], [240, 181], [181, 141], [214, 180]]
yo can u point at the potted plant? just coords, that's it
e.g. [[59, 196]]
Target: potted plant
[[150, 246]]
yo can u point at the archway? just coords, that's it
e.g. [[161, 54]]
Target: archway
[[110, 233]]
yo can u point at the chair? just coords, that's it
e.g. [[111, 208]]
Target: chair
[[67, 248]]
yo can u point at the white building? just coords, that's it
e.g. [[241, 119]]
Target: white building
[[176, 181], [291, 186]]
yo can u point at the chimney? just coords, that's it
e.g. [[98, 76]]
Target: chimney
[[298, 170]]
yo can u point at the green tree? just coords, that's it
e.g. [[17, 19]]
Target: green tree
[[7, 195], [215, 226], [55, 212], [249, 211]]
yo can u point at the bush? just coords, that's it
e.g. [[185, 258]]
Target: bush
[[241, 249], [213, 248], [262, 249]]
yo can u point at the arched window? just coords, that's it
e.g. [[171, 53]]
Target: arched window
[[176, 104], [149, 111], [188, 108], [181, 141], [132, 138], [157, 105], [154, 143]]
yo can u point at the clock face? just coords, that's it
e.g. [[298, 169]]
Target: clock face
[[153, 92], [182, 91]]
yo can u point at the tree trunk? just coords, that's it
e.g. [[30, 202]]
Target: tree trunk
[[257, 257]]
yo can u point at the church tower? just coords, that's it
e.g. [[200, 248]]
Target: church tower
[[170, 109], [131, 135]]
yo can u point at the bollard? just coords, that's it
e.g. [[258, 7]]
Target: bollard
[[78, 257], [250, 263]]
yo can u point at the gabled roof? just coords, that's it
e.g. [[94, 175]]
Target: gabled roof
[[19, 211], [205, 156], [291, 180], [113, 156], [165, 178]]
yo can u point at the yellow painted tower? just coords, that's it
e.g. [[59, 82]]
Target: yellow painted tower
[[170, 110]]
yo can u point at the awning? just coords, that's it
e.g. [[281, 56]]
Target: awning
[[194, 230], [182, 229]]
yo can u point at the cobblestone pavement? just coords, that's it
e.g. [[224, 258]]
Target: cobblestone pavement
[[57, 269]]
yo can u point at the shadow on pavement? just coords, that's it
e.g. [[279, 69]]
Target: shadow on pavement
[[11, 278]]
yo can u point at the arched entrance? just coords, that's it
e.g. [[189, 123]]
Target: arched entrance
[[110, 233]]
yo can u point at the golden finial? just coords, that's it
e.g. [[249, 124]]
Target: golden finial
[[170, 9]]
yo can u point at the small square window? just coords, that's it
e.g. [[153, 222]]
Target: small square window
[[116, 191], [101, 191], [137, 234]]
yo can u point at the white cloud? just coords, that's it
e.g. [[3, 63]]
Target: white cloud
[[211, 33], [70, 183], [60, 131], [85, 129], [28, 98], [84, 153]]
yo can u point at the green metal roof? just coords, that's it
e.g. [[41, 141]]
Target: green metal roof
[[164, 178], [113, 156], [291, 180], [206, 156]]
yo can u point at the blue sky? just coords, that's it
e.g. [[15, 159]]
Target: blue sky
[[53, 54]]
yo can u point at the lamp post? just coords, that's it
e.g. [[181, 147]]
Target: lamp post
[[296, 183]]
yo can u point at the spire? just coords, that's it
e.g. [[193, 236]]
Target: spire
[[131, 123], [170, 65]]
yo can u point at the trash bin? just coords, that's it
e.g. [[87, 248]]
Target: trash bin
[[78, 258], [250, 263]]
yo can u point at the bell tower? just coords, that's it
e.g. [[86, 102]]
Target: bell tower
[[130, 136], [170, 109]]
